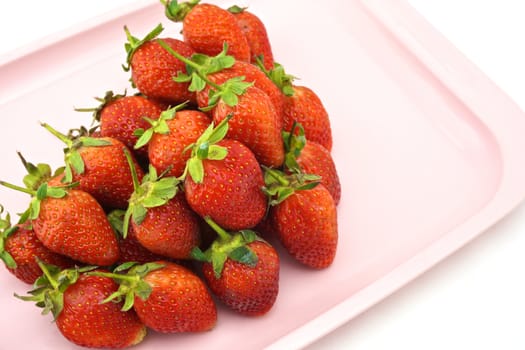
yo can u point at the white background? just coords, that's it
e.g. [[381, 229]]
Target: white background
[[473, 300]]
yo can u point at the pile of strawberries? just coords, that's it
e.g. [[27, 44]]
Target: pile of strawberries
[[161, 210]]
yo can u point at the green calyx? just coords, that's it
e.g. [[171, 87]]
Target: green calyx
[[232, 246], [37, 174], [133, 43], [176, 11], [43, 191], [279, 76], [131, 283], [199, 66], [116, 220], [72, 156], [48, 292], [294, 142], [153, 191], [158, 126], [6, 230], [279, 185], [236, 9], [206, 148], [109, 97]]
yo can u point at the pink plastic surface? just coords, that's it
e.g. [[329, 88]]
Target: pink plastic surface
[[429, 151]]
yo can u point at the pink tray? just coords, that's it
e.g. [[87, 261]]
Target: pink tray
[[429, 151]]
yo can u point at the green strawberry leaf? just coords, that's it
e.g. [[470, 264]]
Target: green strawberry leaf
[[134, 43], [217, 152], [6, 230], [217, 261], [197, 83], [196, 169], [279, 76], [176, 11], [244, 255], [158, 126], [131, 283]]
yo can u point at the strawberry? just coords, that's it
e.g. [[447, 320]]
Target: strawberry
[[251, 74], [256, 124], [256, 34], [304, 216], [206, 27], [305, 107], [160, 216], [152, 68], [311, 158], [99, 166], [71, 222], [129, 247], [20, 249], [225, 180], [301, 105], [75, 299], [168, 137], [167, 297], [242, 271], [120, 115]]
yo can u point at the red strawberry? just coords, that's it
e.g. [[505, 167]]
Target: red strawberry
[[20, 249], [168, 142], [152, 68], [309, 157], [130, 248], [207, 27], [251, 74], [225, 181], [100, 167], [167, 297], [255, 123], [305, 107], [256, 34], [304, 218], [76, 300], [242, 271], [120, 116], [160, 217], [71, 222], [315, 159]]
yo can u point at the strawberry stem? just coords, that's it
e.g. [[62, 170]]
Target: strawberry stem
[[220, 231], [18, 188], [58, 134], [198, 68]]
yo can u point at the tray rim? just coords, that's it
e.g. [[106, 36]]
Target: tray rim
[[507, 198], [510, 194]]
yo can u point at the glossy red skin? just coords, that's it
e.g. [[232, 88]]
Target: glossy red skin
[[251, 73], [107, 175], [152, 70], [231, 190], [257, 36], [131, 250], [25, 248], [76, 226], [306, 108], [247, 290], [306, 224], [171, 230], [166, 150], [315, 159], [86, 321], [256, 124], [179, 301], [120, 118], [206, 27]]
